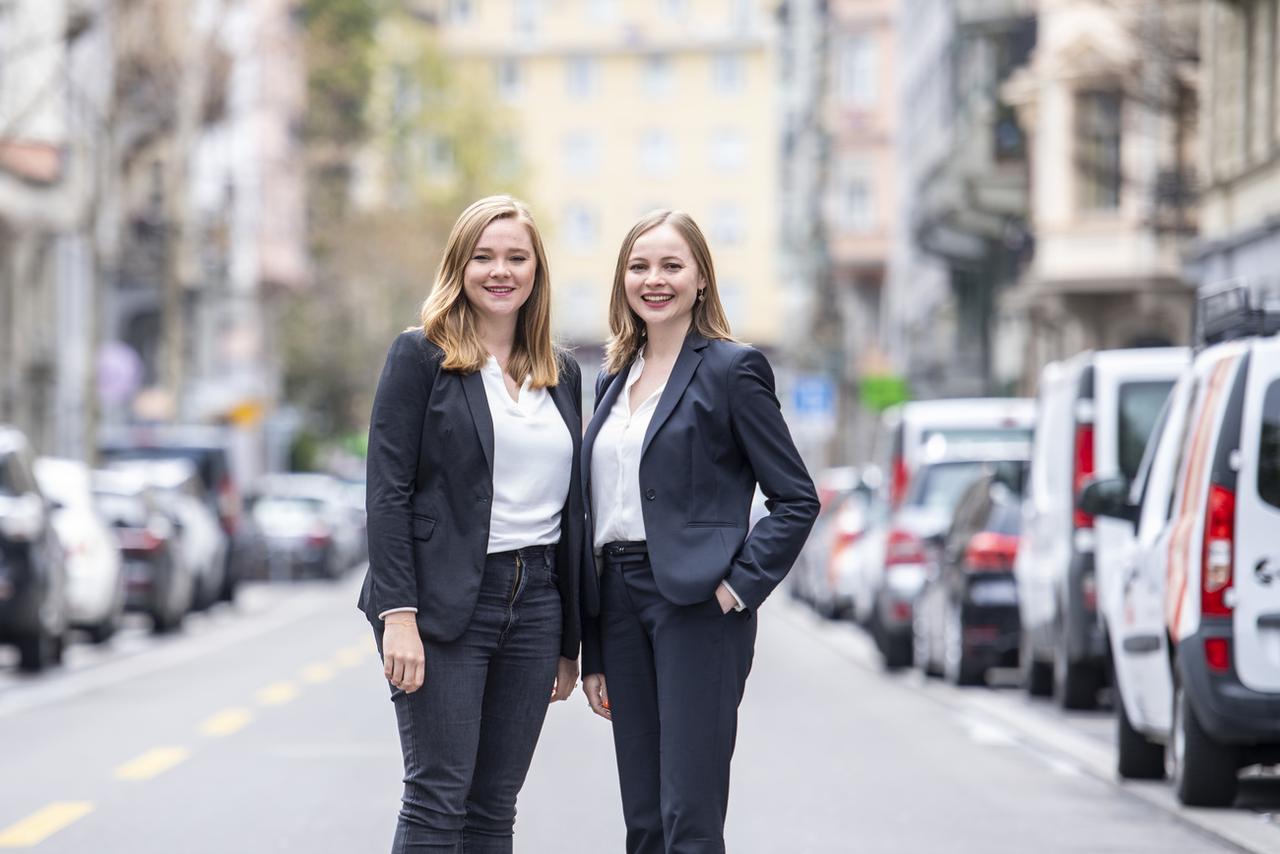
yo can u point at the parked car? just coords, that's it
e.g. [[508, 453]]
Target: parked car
[[158, 581], [966, 618], [95, 573], [308, 526], [209, 449], [911, 539], [177, 484], [829, 581], [808, 578], [1195, 633], [911, 431], [1096, 411], [33, 579]]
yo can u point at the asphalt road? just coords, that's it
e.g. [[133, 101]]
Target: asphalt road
[[268, 727]]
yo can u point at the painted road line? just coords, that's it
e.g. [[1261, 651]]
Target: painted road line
[[353, 655], [277, 694], [152, 763], [314, 674], [39, 826], [226, 722]]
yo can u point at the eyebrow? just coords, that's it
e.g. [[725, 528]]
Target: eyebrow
[[487, 249], [663, 258]]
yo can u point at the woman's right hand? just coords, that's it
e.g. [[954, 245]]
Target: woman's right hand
[[597, 695], [403, 660]]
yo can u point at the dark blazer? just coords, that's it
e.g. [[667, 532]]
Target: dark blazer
[[430, 489], [717, 432]]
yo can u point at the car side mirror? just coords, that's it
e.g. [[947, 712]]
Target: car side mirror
[[1108, 497]]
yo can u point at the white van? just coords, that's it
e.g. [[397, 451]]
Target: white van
[[1196, 628], [1095, 413]]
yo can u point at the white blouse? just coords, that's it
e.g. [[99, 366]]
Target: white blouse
[[615, 464], [532, 464]]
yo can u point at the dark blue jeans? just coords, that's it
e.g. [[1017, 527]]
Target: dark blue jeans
[[469, 732]]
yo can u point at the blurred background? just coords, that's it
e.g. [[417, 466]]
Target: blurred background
[[215, 215]]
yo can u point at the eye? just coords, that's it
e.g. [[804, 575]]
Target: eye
[[674, 266], [480, 256], [636, 268]]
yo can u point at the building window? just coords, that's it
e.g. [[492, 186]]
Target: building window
[[527, 13], [580, 75], [728, 150], [460, 11], [602, 11], [857, 213], [727, 73], [1098, 173], [740, 15], [439, 158], [658, 78], [509, 79], [675, 8], [1008, 141], [733, 298], [727, 225], [506, 157], [857, 84], [581, 155], [580, 228], [657, 154]]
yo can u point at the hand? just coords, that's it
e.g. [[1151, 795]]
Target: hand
[[566, 678], [597, 695], [403, 660], [725, 598]]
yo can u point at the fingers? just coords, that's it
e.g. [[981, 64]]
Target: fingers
[[403, 659], [566, 679], [597, 695]]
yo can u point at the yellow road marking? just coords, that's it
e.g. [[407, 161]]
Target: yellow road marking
[[352, 655], [317, 673], [277, 694], [226, 722], [152, 763], [39, 826]]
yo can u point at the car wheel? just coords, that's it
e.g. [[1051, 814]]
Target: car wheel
[[37, 652], [1137, 758], [1075, 684], [105, 629], [1037, 676], [958, 668], [897, 651], [1203, 771], [921, 655]]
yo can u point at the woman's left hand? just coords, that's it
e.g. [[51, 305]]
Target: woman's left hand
[[725, 598], [566, 678]]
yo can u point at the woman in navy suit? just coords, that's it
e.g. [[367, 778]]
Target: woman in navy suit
[[475, 531], [686, 425]]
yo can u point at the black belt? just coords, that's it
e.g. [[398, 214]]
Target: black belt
[[626, 551]]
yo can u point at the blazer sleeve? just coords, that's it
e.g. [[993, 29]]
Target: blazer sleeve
[[760, 431], [395, 435], [592, 658]]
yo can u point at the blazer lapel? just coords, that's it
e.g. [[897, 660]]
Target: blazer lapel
[[681, 374], [603, 405], [478, 403]]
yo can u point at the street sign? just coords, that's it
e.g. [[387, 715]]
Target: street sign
[[814, 397]]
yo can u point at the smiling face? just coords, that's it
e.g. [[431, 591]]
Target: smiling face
[[498, 278], [662, 280]]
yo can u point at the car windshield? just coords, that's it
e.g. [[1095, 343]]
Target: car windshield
[[1140, 405], [940, 486], [1269, 447]]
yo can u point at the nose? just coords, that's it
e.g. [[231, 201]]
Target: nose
[[499, 270], [653, 278]]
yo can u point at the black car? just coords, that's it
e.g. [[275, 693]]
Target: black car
[[966, 619], [33, 580]]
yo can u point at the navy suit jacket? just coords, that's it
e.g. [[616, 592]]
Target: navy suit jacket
[[717, 432], [430, 492]]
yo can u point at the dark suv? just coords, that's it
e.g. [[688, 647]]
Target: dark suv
[[33, 588]]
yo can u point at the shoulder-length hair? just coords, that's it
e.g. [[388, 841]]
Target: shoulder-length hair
[[626, 329], [449, 320]]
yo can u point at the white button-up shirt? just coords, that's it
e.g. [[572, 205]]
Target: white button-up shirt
[[615, 464], [532, 464]]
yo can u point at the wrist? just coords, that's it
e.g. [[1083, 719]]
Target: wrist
[[403, 618]]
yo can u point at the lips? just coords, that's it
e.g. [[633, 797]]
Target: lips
[[500, 290], [657, 299]]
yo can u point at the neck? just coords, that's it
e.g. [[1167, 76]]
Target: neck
[[663, 341], [498, 335]]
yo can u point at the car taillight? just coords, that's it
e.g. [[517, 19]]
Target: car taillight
[[1217, 653], [990, 552], [139, 539], [898, 485], [1217, 551], [319, 536], [903, 547], [1082, 471], [1089, 591], [228, 505]]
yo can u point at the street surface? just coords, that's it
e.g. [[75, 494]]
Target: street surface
[[268, 728]]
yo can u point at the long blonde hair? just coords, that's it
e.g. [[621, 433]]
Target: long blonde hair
[[448, 319], [626, 329]]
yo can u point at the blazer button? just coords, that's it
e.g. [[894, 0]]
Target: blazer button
[[650, 494]]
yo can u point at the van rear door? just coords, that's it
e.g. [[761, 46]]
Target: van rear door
[[1256, 570]]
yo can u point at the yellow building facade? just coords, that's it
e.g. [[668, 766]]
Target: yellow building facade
[[619, 108]]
